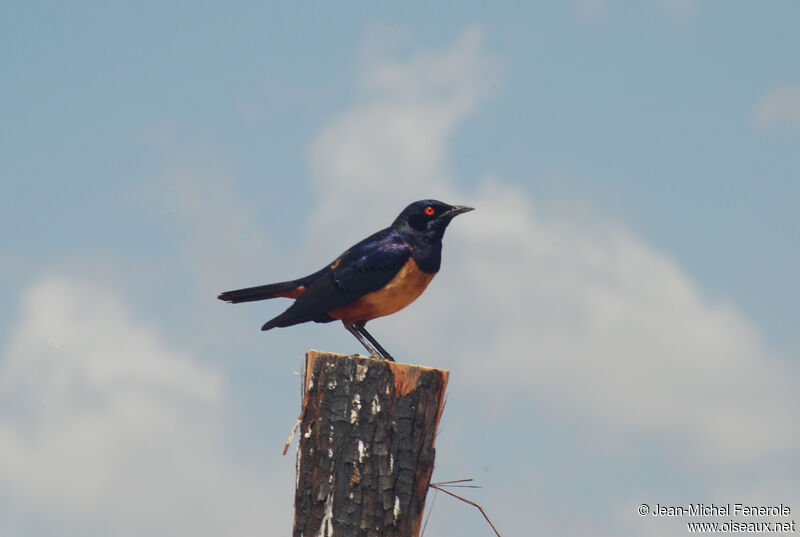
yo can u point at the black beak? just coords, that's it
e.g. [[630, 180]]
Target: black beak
[[456, 210]]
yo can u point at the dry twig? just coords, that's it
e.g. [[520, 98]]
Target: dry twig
[[459, 483], [291, 435]]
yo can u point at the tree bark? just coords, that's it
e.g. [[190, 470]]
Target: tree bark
[[366, 448]]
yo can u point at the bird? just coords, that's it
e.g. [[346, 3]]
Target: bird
[[378, 276]]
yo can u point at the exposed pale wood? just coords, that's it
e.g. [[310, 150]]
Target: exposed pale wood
[[366, 449]]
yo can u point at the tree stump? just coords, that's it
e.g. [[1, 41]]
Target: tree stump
[[366, 451]]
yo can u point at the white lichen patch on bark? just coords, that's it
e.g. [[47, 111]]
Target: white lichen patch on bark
[[355, 408], [297, 469], [360, 451], [361, 372], [330, 443], [376, 405], [396, 510], [326, 526]]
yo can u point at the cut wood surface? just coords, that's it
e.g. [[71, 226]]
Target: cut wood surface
[[366, 448]]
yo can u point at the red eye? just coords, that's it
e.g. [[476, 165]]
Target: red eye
[[429, 210]]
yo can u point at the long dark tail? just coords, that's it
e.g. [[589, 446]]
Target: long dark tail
[[291, 289]]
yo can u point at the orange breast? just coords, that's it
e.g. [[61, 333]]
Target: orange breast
[[401, 291]]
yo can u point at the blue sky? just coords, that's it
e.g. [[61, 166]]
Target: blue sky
[[619, 313]]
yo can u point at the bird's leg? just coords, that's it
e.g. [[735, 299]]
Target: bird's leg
[[373, 352], [384, 354]]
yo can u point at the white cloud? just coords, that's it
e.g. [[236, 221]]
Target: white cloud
[[573, 313], [780, 106], [390, 149], [587, 320], [105, 430]]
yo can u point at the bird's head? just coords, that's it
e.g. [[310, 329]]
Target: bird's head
[[428, 217]]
